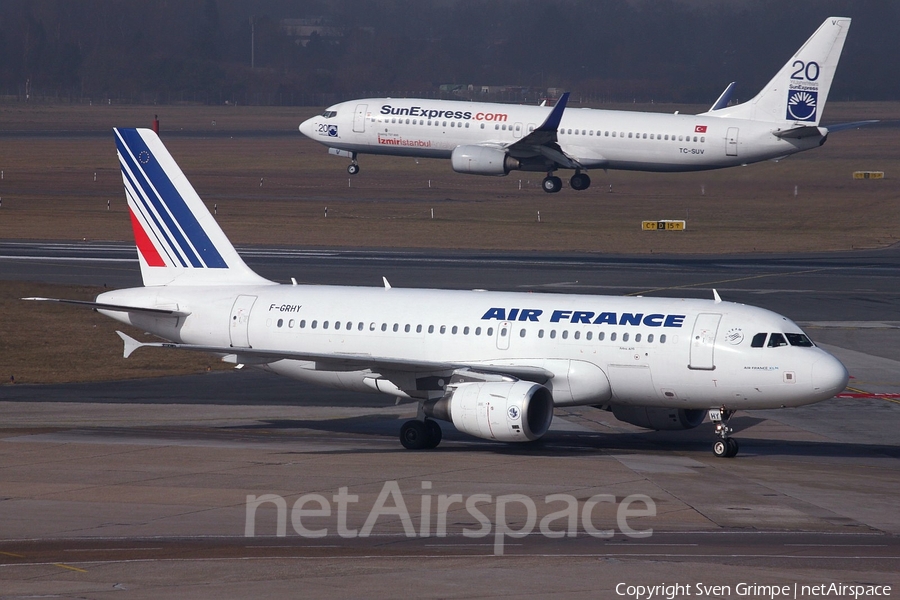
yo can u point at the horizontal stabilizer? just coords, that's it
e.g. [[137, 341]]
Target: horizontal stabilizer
[[798, 133], [159, 312], [854, 125]]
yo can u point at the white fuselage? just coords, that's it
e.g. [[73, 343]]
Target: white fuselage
[[606, 139], [692, 354]]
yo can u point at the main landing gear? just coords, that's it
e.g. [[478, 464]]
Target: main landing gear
[[725, 446], [421, 434], [353, 168], [579, 181]]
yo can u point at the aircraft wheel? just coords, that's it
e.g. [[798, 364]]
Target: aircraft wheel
[[732, 448], [551, 184], [353, 168], [414, 435], [435, 434], [580, 181], [720, 448]]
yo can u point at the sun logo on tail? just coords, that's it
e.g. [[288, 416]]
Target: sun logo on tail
[[801, 105]]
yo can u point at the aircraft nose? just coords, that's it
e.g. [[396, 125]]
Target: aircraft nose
[[829, 376], [306, 127]]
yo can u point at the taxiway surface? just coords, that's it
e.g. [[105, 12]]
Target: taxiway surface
[[144, 485]]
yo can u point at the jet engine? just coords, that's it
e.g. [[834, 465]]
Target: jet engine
[[506, 411], [660, 419], [481, 160]]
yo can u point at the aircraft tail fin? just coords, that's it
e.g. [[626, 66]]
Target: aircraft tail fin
[[178, 240], [797, 94]]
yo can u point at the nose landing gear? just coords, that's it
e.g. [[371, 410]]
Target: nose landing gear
[[725, 446]]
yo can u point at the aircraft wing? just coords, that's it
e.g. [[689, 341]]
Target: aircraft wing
[[543, 141], [345, 361]]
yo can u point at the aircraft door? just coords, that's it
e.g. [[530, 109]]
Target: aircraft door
[[731, 142], [703, 341], [240, 321], [359, 118], [518, 129], [504, 330]]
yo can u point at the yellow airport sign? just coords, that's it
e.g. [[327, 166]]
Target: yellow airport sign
[[664, 225], [868, 174]]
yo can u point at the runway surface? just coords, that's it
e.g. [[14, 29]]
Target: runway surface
[[143, 486]]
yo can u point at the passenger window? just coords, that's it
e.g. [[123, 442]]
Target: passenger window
[[650, 338], [540, 333], [291, 323], [577, 335], [759, 340], [350, 326], [324, 324], [478, 331], [396, 327], [313, 324], [360, 326], [702, 139], [280, 322], [601, 336], [662, 339], [777, 340], [443, 329], [465, 331], [565, 335], [589, 335], [418, 329], [552, 334], [384, 326], [431, 329], [490, 331], [612, 336], [407, 328], [372, 326], [337, 324], [454, 330], [624, 337], [521, 333], [302, 323], [637, 337], [503, 332]]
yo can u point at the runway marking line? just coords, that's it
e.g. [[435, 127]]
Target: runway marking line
[[721, 281], [13, 554], [69, 567], [860, 394]]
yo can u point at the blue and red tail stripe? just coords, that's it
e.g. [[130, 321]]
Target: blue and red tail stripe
[[172, 224]]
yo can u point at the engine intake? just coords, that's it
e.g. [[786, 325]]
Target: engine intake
[[660, 419], [507, 411], [481, 160]]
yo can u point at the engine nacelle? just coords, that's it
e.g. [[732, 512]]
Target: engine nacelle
[[507, 411], [660, 419], [481, 160]]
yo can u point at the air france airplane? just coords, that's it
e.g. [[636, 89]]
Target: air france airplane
[[495, 139], [495, 364]]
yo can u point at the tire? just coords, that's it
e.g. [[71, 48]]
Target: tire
[[353, 169], [580, 181], [414, 435], [435, 434], [720, 448], [552, 184], [733, 448]]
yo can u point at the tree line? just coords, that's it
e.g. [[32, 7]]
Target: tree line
[[253, 51]]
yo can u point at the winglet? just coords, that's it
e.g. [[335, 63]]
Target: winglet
[[553, 120], [131, 344], [387, 284], [716, 297], [724, 98]]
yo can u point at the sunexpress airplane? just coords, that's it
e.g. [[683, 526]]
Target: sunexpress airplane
[[495, 364], [495, 139]]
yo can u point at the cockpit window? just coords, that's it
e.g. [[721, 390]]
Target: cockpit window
[[776, 340], [798, 339], [329, 113], [759, 340]]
